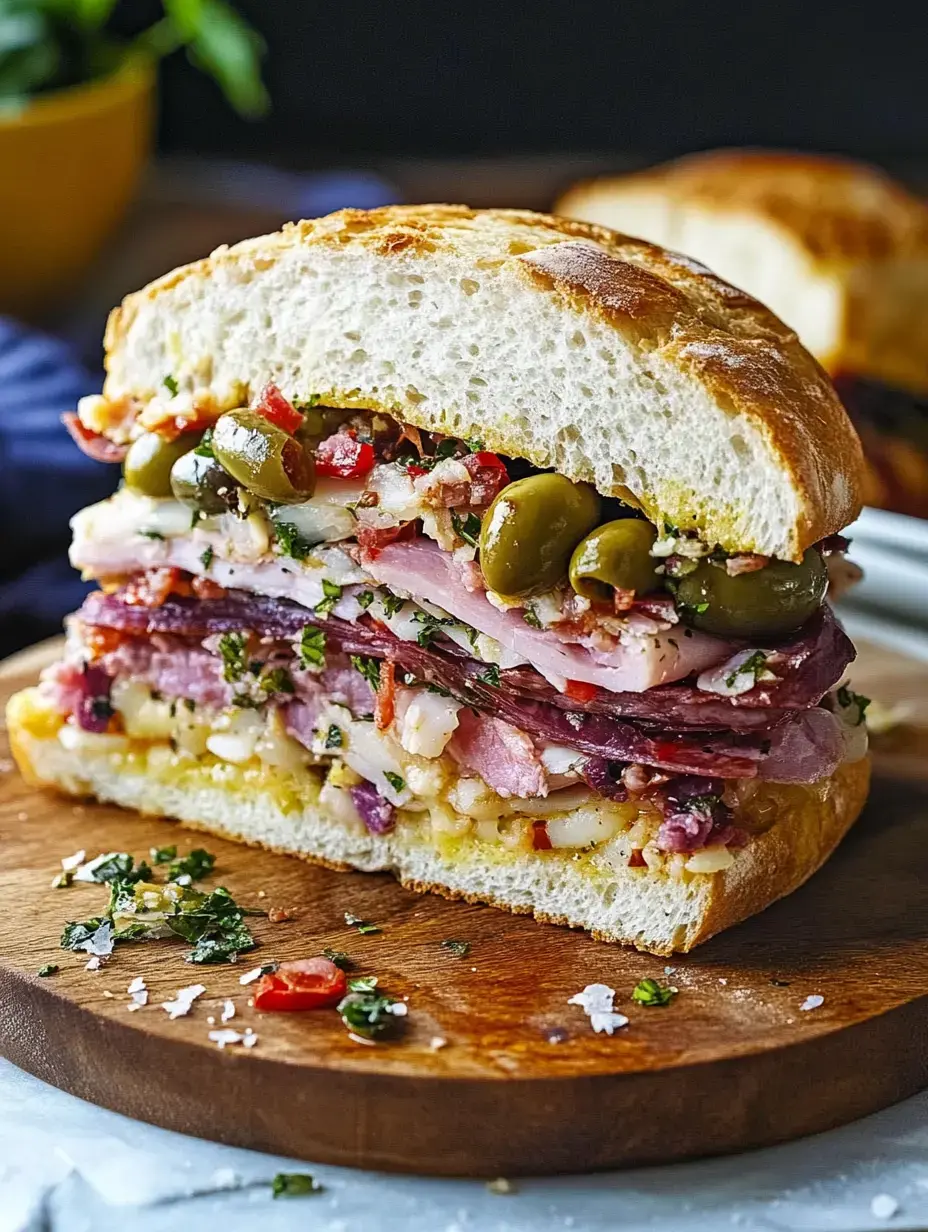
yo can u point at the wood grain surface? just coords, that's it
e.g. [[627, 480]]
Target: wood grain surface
[[521, 1084]]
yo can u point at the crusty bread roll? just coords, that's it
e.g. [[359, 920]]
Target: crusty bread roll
[[836, 248], [658, 914], [603, 357]]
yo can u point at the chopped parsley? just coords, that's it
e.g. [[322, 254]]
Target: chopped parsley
[[333, 737], [291, 541], [312, 647], [363, 926], [397, 783], [170, 384], [339, 958], [530, 616], [198, 864], [365, 599], [490, 675], [700, 608], [332, 593], [363, 983], [163, 855], [460, 949], [151, 534], [391, 603], [848, 700], [754, 665], [62, 880], [474, 444], [233, 649], [119, 866], [651, 992], [277, 680], [367, 1013], [306, 404], [467, 528], [431, 626], [48, 969], [205, 448], [369, 669], [295, 1184], [215, 925], [77, 932], [206, 557]]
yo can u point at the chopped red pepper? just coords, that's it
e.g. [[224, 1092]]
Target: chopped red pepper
[[540, 840], [385, 705], [636, 859], [416, 471], [373, 538], [307, 984], [343, 456], [580, 691], [278, 409], [153, 587]]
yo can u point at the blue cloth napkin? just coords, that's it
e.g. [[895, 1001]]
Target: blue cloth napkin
[[45, 479]]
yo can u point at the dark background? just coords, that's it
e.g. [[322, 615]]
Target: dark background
[[359, 80]]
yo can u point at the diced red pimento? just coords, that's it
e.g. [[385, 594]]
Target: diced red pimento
[[636, 859], [540, 840], [580, 691], [385, 706], [279, 410], [343, 456], [305, 984]]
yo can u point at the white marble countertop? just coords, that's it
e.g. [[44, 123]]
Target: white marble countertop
[[66, 1166]]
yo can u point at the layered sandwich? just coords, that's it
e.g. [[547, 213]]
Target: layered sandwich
[[486, 548], [837, 249]]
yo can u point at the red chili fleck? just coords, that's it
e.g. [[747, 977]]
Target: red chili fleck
[[278, 409], [580, 691], [636, 859], [540, 840], [307, 984], [343, 456]]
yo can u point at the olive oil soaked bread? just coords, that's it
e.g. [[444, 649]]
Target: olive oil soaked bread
[[606, 358], [652, 911]]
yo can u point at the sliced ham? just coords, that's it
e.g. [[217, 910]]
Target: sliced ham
[[420, 568], [503, 756], [93, 444]]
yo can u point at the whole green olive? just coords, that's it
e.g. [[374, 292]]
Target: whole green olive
[[616, 554], [264, 458], [148, 463], [530, 530], [199, 481], [766, 603]]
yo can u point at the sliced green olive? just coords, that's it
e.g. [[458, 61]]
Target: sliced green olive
[[530, 531], [200, 482], [616, 554], [264, 458], [147, 465], [766, 603]]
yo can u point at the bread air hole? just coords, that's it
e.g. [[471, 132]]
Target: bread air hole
[[469, 286], [740, 446]]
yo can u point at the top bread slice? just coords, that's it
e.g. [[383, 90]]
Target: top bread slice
[[604, 357], [836, 248]]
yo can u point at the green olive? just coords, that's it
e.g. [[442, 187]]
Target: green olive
[[264, 458], [766, 603], [616, 554], [530, 530], [200, 482], [147, 466]]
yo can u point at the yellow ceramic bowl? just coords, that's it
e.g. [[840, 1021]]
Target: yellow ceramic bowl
[[70, 164]]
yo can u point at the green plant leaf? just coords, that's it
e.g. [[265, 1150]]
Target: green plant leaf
[[227, 48]]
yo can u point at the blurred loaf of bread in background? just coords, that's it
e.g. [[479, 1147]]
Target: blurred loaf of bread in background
[[838, 249]]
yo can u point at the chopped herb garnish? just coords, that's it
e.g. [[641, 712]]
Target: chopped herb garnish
[[233, 648], [446, 448], [163, 855], [306, 404], [295, 1185], [431, 626], [369, 669], [332, 594], [530, 616], [363, 926], [339, 957], [651, 992], [474, 444], [365, 599], [48, 969], [460, 949], [245, 702], [467, 528], [848, 700], [700, 608], [395, 781], [753, 665], [119, 866], [277, 680], [170, 384], [312, 647], [391, 603], [62, 880], [368, 1013], [490, 675], [205, 448], [198, 864], [206, 557], [216, 925], [151, 534], [333, 737], [291, 541], [77, 932], [363, 983]]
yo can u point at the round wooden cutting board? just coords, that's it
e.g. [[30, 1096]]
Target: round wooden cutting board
[[493, 1072]]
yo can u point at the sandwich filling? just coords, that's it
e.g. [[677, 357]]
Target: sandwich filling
[[445, 637]]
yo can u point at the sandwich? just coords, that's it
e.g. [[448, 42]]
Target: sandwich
[[835, 248], [482, 547]]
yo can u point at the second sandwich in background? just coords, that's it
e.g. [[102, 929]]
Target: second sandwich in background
[[835, 248]]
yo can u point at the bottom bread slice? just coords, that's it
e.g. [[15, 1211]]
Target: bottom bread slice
[[635, 906]]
